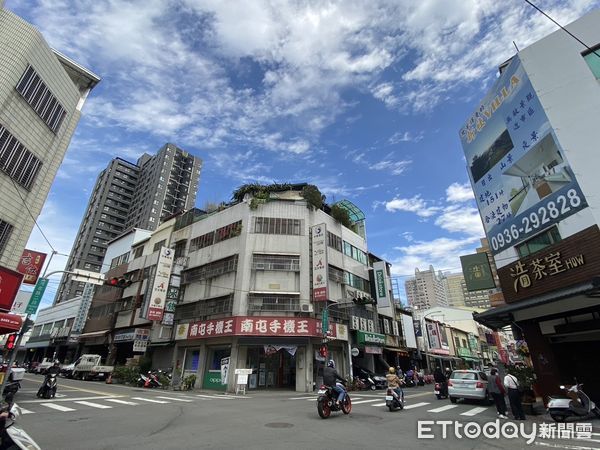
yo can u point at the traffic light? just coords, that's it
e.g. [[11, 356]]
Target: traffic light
[[323, 351], [364, 301], [10, 341], [118, 282]]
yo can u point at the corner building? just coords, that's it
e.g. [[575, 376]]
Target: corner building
[[256, 279], [532, 156]]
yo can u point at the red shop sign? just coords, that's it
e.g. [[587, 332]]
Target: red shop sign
[[30, 266], [10, 281], [254, 326]]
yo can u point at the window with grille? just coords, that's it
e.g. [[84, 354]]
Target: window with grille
[[5, 230], [16, 161], [158, 245], [276, 262], [40, 98], [204, 309], [334, 241], [276, 225], [202, 241], [262, 302], [336, 275], [211, 270], [228, 231]]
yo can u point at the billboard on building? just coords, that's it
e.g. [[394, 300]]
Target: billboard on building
[[433, 335], [30, 265], [158, 294], [521, 179], [477, 272], [382, 290], [319, 262]]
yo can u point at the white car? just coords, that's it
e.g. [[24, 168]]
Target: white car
[[469, 384]]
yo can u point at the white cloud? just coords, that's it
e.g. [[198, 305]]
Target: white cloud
[[405, 136], [394, 167], [415, 205], [461, 219], [457, 192]]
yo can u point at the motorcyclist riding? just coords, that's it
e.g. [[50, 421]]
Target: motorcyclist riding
[[330, 376], [55, 369], [394, 382], [440, 378]]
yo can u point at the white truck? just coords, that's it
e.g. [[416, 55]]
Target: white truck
[[88, 367]]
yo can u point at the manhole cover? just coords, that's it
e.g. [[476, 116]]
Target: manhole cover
[[279, 425]]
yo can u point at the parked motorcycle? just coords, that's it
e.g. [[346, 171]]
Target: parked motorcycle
[[326, 401], [150, 380], [441, 390], [12, 437], [576, 404], [393, 401], [48, 387]]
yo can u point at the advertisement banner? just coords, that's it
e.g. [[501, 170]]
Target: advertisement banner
[[381, 283], [224, 369], [21, 301], [319, 262], [477, 272], [158, 294], [433, 335], [30, 265], [363, 338], [417, 327], [10, 281], [522, 182]]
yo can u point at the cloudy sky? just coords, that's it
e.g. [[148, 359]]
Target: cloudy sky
[[362, 98]]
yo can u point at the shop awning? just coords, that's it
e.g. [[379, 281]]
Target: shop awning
[[397, 350], [470, 358], [501, 316], [38, 344], [9, 323], [93, 334]]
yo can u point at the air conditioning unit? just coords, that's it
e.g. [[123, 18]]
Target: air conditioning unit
[[306, 308]]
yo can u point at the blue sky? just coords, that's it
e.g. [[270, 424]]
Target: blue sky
[[362, 98]]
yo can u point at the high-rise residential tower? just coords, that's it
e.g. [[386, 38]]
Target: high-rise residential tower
[[427, 289], [126, 196], [42, 93]]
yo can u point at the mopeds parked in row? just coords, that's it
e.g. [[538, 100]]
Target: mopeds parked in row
[[576, 404]]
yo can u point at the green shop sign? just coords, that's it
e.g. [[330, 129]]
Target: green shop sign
[[212, 380], [370, 338], [381, 291], [464, 352]]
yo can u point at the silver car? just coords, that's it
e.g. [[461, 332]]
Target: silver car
[[470, 384]]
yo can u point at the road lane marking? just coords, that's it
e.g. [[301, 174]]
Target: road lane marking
[[416, 405], [148, 400], [302, 398], [94, 405], [23, 410], [365, 401], [213, 396], [175, 398], [474, 411], [380, 404], [67, 386], [57, 407], [121, 402], [72, 399], [232, 396], [442, 408]]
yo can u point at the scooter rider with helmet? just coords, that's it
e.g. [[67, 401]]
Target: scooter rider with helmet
[[330, 376], [394, 382]]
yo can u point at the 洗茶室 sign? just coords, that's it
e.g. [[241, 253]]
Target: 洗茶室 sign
[[521, 179], [477, 272], [573, 260], [371, 339], [158, 294], [319, 262]]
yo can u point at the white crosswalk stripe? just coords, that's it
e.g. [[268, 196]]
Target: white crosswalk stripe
[[148, 400], [302, 398], [121, 402], [416, 405], [379, 404], [442, 408], [94, 405], [474, 411], [365, 401], [23, 410], [175, 398], [57, 407], [213, 397]]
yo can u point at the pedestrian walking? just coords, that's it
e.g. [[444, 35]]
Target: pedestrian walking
[[514, 396], [496, 388]]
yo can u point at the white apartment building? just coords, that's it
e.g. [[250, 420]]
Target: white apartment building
[[427, 289]]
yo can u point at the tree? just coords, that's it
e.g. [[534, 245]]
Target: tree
[[313, 196], [341, 215]]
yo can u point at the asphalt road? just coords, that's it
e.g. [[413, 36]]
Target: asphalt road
[[94, 416]]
